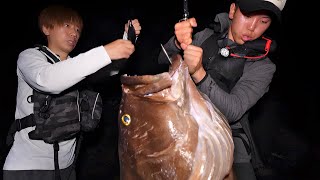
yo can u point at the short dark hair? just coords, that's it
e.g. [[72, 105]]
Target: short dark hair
[[58, 15]]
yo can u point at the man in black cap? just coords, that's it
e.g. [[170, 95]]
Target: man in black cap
[[229, 63]]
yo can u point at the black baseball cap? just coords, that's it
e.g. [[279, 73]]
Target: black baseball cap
[[273, 6]]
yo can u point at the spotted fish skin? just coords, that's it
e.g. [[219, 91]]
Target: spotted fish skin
[[170, 130]]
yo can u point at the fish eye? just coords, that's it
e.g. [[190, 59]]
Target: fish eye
[[126, 119]]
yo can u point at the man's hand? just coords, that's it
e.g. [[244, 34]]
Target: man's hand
[[192, 55], [119, 49], [136, 26], [183, 31]]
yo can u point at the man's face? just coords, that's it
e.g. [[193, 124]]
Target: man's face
[[63, 38], [247, 27]]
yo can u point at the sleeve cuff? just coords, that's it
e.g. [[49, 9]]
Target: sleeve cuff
[[202, 80]]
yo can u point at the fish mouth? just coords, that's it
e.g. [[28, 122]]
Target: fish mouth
[[167, 84], [147, 84]]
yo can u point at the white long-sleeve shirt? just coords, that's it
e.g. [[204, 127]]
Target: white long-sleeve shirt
[[34, 71]]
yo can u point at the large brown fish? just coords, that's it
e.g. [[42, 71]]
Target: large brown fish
[[169, 130]]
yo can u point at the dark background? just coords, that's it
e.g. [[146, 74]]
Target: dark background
[[284, 121]]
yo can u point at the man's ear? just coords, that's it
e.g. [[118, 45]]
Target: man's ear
[[45, 30], [232, 10]]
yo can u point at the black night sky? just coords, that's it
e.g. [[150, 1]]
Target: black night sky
[[284, 119]]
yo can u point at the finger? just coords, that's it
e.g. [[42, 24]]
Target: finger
[[183, 46], [182, 25], [192, 22]]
